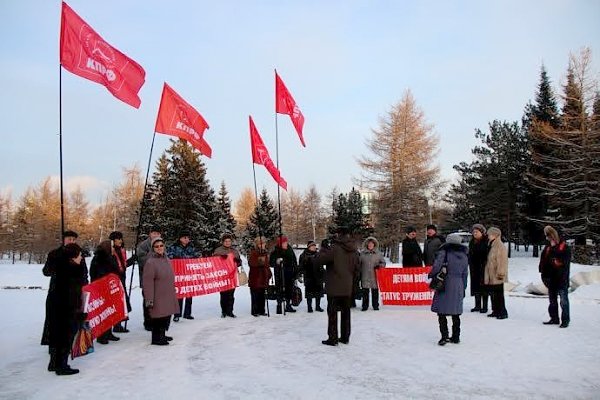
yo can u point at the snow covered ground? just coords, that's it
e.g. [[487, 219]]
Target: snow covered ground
[[393, 353]]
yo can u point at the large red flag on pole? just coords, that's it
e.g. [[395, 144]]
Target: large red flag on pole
[[84, 53], [285, 104], [260, 155], [176, 117]]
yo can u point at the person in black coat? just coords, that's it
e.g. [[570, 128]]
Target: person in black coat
[[53, 261], [65, 308], [284, 264], [555, 265], [313, 276], [478, 252], [104, 263], [412, 256], [433, 242]]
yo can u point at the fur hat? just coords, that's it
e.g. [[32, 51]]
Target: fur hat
[[115, 235], [281, 239], [72, 234], [72, 250], [454, 238], [551, 233], [494, 231], [410, 229], [155, 228], [310, 243], [260, 239], [432, 226], [479, 227]]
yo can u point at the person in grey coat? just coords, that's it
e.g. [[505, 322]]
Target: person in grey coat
[[370, 260], [449, 301], [143, 252], [159, 292]]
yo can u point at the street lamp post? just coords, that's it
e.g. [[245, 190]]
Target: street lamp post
[[429, 207]]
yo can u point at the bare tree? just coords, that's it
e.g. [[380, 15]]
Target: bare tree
[[244, 207]]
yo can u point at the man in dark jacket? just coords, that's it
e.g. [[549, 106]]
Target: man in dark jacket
[[433, 242], [555, 264], [412, 256], [183, 249], [285, 268], [342, 265]]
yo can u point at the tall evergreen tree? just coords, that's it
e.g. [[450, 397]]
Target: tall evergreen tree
[[226, 223], [263, 221]]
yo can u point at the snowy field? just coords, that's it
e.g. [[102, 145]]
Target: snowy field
[[393, 353]]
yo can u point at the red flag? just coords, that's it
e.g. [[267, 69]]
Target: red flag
[[260, 155], [84, 53], [177, 118], [285, 104]]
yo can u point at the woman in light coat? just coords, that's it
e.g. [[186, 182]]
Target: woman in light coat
[[159, 292], [496, 273], [370, 260], [450, 300]]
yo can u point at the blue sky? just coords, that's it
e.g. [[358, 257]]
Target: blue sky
[[345, 62]]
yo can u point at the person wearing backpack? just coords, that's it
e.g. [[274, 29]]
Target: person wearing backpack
[[449, 301]]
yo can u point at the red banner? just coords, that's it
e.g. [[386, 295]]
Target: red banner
[[285, 104], [84, 53], [404, 286], [104, 303], [200, 276]]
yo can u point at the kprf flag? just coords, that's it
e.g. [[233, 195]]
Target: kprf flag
[[176, 117], [84, 53], [285, 104], [260, 155]]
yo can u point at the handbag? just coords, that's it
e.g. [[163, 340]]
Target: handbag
[[83, 342], [271, 292], [242, 277], [438, 282], [296, 296]]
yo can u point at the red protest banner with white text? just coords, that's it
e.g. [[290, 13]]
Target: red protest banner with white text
[[404, 286], [200, 276], [104, 303]]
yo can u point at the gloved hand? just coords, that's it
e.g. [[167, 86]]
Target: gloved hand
[[149, 303], [279, 261], [131, 260]]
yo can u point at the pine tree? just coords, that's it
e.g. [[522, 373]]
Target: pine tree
[[226, 223], [263, 221]]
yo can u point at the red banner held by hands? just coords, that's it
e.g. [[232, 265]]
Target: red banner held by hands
[[84, 53], [260, 155], [176, 117], [105, 303], [404, 286], [285, 104], [200, 276]]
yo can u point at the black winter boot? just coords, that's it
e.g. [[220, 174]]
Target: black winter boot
[[455, 329], [484, 305], [63, 368], [53, 360], [365, 299], [309, 304], [477, 303], [443, 323], [279, 309], [318, 305]]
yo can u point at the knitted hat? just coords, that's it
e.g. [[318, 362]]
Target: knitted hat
[[454, 238], [157, 239], [310, 243], [155, 228], [479, 227], [183, 234], [72, 234], [432, 226]]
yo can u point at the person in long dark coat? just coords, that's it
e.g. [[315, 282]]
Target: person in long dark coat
[[450, 300], [120, 256], [478, 252], [53, 261], [555, 263], [412, 255], [65, 312], [258, 276], [103, 264], [342, 265], [159, 292], [313, 276], [285, 267]]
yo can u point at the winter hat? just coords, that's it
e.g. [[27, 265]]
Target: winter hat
[[479, 227], [155, 228], [72, 234], [342, 230], [72, 250], [115, 235], [281, 240], [432, 226], [157, 239], [183, 234], [260, 239], [226, 236], [410, 229], [310, 243], [454, 238], [494, 231], [551, 233]]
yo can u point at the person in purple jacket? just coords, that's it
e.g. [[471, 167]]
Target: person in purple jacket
[[449, 301]]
